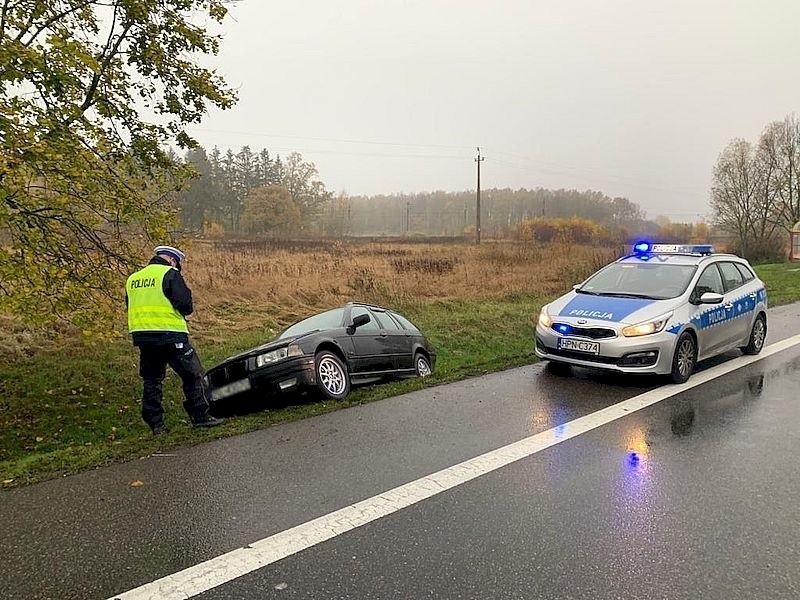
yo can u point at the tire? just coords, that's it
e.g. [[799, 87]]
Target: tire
[[758, 335], [422, 365], [684, 359], [333, 380]]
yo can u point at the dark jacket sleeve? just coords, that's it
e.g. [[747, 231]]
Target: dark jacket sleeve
[[177, 292]]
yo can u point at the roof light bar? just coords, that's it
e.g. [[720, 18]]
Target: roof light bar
[[648, 248]]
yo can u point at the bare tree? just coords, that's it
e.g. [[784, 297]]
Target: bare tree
[[734, 192], [780, 145]]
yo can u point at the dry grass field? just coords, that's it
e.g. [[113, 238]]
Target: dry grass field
[[243, 285]]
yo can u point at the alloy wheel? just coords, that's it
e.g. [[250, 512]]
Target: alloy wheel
[[686, 357], [759, 334], [423, 368], [332, 376]]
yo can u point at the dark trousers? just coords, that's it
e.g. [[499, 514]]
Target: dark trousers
[[153, 361]]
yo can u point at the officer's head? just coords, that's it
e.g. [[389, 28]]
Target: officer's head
[[172, 255]]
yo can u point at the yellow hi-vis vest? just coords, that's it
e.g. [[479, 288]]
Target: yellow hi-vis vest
[[148, 308]]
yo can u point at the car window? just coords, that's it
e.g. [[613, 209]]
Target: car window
[[388, 323], [328, 320], [731, 276], [653, 280], [747, 274], [360, 310], [710, 281], [407, 325]]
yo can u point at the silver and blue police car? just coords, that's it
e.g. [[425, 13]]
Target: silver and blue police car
[[661, 309]]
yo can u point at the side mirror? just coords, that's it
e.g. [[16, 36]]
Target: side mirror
[[711, 298], [360, 320], [577, 286]]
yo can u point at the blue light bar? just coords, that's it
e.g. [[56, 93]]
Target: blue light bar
[[648, 248]]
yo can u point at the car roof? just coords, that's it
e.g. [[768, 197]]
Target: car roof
[[365, 305], [679, 259]]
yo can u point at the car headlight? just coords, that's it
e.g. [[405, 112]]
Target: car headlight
[[268, 358], [544, 318], [648, 327]]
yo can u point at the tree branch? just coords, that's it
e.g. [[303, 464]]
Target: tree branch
[[48, 22]]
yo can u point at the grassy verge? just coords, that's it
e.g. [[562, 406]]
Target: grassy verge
[[78, 407], [783, 282]]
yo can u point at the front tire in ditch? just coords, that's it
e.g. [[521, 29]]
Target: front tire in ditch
[[684, 359], [333, 380], [758, 336]]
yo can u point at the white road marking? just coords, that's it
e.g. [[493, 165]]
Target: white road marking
[[226, 567]]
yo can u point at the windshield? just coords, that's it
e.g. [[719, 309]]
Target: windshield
[[640, 280], [327, 320]]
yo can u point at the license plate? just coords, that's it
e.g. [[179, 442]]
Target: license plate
[[579, 346], [236, 387]]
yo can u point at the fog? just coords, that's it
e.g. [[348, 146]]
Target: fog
[[630, 97]]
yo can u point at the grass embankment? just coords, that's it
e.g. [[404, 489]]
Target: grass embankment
[[72, 407], [783, 282]]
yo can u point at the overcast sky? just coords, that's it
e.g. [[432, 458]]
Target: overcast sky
[[629, 97]]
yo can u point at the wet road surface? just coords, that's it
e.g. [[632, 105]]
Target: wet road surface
[[705, 505]]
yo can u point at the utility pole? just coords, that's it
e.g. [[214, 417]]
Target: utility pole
[[478, 160], [408, 216]]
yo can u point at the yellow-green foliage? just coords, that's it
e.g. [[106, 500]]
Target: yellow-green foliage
[[547, 230]]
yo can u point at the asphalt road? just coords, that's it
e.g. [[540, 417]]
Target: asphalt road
[[707, 508]]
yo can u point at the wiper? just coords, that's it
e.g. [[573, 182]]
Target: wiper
[[582, 291], [629, 295]]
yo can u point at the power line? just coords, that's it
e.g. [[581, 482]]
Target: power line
[[326, 139]]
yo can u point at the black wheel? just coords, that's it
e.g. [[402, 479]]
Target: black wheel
[[684, 359], [757, 336], [333, 380], [422, 365]]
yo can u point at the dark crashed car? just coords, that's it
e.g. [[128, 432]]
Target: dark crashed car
[[330, 351]]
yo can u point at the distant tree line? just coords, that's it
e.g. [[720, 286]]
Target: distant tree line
[[755, 194], [250, 192], [254, 193], [453, 213]]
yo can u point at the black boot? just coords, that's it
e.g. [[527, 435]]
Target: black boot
[[160, 429], [206, 420]]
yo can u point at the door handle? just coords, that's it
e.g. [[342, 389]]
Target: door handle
[[729, 306]]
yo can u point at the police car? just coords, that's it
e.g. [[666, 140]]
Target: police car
[[661, 309]]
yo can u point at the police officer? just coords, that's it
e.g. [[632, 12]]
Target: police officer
[[158, 302]]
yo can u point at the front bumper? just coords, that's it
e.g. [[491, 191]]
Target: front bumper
[[621, 354], [287, 375]]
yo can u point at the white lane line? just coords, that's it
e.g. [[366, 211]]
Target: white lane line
[[217, 571]]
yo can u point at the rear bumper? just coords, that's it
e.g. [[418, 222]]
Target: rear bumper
[[645, 354]]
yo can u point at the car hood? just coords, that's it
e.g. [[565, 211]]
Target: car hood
[[266, 347], [608, 309]]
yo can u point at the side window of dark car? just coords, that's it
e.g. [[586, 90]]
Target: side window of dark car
[[747, 274], [731, 276], [709, 281], [405, 323], [387, 322], [360, 310]]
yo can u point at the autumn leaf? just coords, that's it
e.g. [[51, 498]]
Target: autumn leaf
[[137, 483]]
